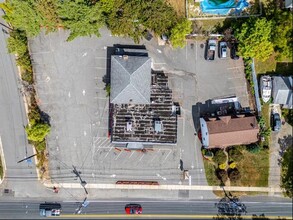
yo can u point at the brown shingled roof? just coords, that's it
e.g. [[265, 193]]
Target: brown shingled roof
[[232, 131]]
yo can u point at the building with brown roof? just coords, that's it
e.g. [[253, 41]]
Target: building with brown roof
[[227, 131]]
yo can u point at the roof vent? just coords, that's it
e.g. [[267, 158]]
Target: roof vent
[[158, 126]]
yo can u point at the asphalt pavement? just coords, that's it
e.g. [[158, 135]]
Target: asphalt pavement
[[18, 176], [151, 208]]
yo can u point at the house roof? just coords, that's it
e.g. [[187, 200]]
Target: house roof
[[130, 79], [229, 131], [150, 123], [282, 90]]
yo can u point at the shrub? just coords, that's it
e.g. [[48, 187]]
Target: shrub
[[40, 146], [222, 175], [232, 165], [234, 174], [219, 157], [37, 132], [253, 148], [222, 166], [235, 154], [207, 154]]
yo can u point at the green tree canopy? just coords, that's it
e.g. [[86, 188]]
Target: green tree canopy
[[23, 15], [254, 38], [37, 132], [179, 32], [81, 17], [282, 35]]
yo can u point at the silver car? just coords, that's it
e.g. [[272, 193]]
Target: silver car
[[223, 49]]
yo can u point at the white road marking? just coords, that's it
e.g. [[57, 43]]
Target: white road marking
[[159, 51], [141, 157], [83, 92], [131, 154], [108, 152], [84, 54], [69, 95], [119, 155], [167, 155]]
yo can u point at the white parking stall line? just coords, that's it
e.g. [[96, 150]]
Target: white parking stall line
[[141, 157], [131, 154], [108, 152], [155, 155], [235, 87], [118, 155], [236, 67], [167, 156]]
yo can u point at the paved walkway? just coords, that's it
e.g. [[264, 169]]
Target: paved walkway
[[166, 187], [276, 139]]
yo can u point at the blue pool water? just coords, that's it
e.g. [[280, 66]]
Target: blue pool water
[[222, 7]]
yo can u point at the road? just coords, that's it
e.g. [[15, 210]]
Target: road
[[151, 208], [13, 119]]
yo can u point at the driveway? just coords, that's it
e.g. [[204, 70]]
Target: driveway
[[71, 86], [279, 140]]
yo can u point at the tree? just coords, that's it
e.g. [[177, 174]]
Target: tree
[[23, 15], [222, 175], [81, 17], [220, 157], [48, 10], [234, 174], [282, 34], [254, 38], [37, 132], [287, 172], [179, 32]]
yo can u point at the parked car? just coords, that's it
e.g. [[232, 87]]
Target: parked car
[[276, 121], [50, 209], [222, 49], [210, 50], [233, 51], [133, 209]]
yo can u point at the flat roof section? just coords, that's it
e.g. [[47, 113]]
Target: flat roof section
[[153, 123]]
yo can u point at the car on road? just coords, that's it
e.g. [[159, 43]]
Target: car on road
[[133, 209], [50, 209], [276, 121], [233, 51], [223, 49]]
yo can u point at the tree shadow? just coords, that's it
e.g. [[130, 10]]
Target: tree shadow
[[285, 143], [45, 117]]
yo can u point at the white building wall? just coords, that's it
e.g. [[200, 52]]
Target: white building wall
[[204, 132]]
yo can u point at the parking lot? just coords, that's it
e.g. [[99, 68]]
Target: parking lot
[[70, 82]]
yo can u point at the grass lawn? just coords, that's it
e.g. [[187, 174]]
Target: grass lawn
[[272, 65], [265, 111], [210, 173], [179, 6], [1, 169], [254, 169]]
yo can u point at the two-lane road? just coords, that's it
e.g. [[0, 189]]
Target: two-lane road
[[152, 209]]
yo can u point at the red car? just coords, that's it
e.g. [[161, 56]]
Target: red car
[[133, 209]]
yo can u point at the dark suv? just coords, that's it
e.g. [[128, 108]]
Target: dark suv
[[276, 122], [233, 51]]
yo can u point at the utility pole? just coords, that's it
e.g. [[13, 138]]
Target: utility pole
[[82, 182], [84, 204]]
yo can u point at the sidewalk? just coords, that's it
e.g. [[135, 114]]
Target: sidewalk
[[166, 187]]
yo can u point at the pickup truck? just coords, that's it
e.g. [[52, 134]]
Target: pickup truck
[[211, 50]]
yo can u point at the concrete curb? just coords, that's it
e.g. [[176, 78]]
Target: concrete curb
[[165, 187]]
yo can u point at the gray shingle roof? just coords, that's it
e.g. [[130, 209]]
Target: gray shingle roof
[[282, 90], [130, 80]]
